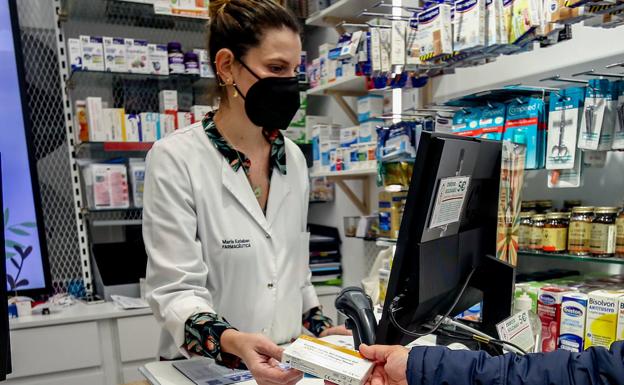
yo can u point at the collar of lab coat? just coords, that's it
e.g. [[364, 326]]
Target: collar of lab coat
[[237, 183]]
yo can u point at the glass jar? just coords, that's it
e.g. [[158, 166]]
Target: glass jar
[[543, 207], [555, 235], [537, 232], [527, 206], [570, 204], [619, 248], [603, 234], [579, 233], [524, 233]]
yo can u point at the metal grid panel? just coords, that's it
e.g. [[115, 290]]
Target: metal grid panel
[[45, 101]]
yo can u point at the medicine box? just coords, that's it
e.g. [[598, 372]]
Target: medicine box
[[349, 136], [313, 120], [168, 100], [573, 316], [150, 126], [113, 121], [369, 107], [107, 186], [602, 318], [184, 119], [115, 54], [296, 134], [167, 124], [133, 128], [469, 25], [368, 131], [137, 180], [435, 32], [137, 54], [158, 59], [549, 312], [199, 111], [205, 70], [620, 322], [97, 133], [324, 62], [92, 53], [75, 54], [333, 363]]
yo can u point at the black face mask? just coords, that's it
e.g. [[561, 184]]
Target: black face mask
[[271, 102]]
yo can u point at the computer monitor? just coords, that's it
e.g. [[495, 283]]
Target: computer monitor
[[448, 230], [5, 346]]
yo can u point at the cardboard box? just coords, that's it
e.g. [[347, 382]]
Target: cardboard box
[[168, 101], [158, 59], [97, 133], [133, 128], [602, 318], [74, 52], [198, 112], [205, 70], [435, 32], [107, 186], [150, 126], [92, 53], [369, 107], [167, 124], [549, 312], [113, 121], [333, 363], [349, 136], [620, 323], [368, 131], [137, 181], [573, 316], [184, 119], [115, 54], [137, 55]]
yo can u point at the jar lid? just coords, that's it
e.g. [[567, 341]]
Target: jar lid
[[557, 215], [174, 45], [607, 210], [190, 56], [527, 214], [583, 209], [538, 217], [528, 204]]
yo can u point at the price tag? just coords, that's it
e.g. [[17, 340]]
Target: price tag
[[517, 330], [449, 201]]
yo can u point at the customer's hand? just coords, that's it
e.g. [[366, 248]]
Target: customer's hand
[[336, 331], [261, 356], [390, 364]]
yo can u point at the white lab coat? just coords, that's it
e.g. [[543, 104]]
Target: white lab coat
[[212, 249]]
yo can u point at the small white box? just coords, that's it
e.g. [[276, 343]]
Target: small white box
[[333, 363], [313, 120], [198, 112], [137, 180], [167, 124], [74, 51], [115, 54], [113, 122], [573, 315], [168, 101], [92, 53], [324, 62], [368, 131], [137, 55], [185, 119], [97, 133], [205, 70], [158, 59], [150, 126], [349, 136], [133, 128], [369, 107]]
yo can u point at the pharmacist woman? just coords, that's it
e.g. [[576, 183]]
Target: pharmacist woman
[[225, 206]]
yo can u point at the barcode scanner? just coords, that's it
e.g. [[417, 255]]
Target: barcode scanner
[[358, 307]]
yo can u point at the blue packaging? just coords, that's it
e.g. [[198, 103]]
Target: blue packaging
[[466, 122], [524, 117], [492, 121], [573, 322]]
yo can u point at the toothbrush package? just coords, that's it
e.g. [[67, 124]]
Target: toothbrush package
[[524, 117], [597, 97], [565, 110]]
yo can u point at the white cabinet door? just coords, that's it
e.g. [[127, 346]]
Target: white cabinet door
[[138, 338], [91, 377]]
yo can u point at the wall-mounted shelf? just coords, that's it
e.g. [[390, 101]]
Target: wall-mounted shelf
[[89, 78], [107, 150], [115, 217], [339, 177], [339, 89], [343, 10], [569, 257]]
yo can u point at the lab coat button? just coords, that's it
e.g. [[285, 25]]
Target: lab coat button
[[270, 285], [267, 235]]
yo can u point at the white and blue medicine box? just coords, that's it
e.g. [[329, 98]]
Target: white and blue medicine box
[[369, 107]]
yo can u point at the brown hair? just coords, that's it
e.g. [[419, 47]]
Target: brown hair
[[240, 25]]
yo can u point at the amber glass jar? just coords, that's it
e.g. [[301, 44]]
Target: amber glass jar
[[524, 233], [603, 234], [537, 232], [619, 248], [579, 233], [570, 204], [527, 206], [555, 234]]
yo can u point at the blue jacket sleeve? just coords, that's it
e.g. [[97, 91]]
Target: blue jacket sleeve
[[440, 366]]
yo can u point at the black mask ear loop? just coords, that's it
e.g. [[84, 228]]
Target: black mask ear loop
[[250, 71]]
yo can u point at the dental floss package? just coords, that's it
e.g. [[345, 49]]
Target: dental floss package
[[115, 54], [330, 362], [597, 96], [523, 127], [469, 25], [92, 53], [563, 126], [435, 32], [618, 135]]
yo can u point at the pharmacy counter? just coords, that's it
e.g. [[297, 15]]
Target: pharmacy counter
[[84, 344]]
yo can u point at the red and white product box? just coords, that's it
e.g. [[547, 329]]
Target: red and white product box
[[549, 312]]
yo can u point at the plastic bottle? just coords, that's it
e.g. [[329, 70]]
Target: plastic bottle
[[522, 303]]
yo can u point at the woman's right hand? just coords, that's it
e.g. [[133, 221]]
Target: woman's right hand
[[261, 356]]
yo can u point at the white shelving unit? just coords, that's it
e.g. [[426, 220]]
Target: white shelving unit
[[343, 174], [353, 85]]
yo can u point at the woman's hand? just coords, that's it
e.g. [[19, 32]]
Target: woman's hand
[[261, 356], [390, 364], [336, 331]]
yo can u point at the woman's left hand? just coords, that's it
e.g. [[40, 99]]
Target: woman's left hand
[[336, 331]]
